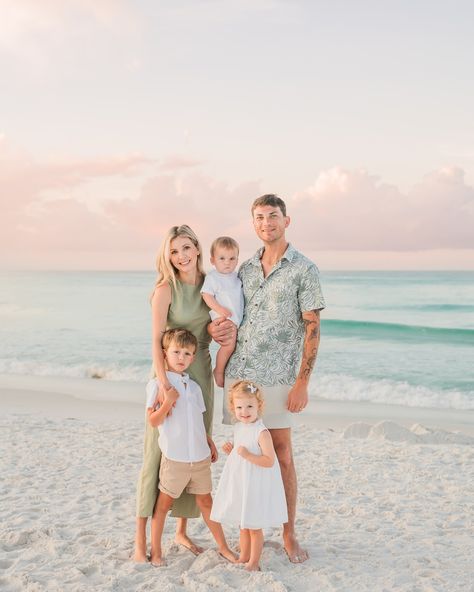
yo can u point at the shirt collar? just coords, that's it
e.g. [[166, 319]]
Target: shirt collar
[[178, 378], [288, 255]]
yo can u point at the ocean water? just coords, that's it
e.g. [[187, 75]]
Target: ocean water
[[404, 338]]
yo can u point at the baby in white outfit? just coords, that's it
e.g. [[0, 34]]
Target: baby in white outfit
[[222, 292]]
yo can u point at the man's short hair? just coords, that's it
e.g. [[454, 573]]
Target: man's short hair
[[270, 199], [182, 338], [224, 242]]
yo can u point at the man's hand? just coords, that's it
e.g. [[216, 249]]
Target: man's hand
[[227, 447], [212, 446], [297, 397], [222, 331]]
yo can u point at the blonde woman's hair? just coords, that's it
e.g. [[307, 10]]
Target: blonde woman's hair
[[164, 267], [245, 388]]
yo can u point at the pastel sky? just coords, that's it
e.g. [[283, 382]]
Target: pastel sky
[[119, 119]]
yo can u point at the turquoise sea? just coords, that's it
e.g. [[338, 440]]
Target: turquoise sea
[[405, 338]]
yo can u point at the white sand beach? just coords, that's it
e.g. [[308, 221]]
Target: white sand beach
[[386, 497]]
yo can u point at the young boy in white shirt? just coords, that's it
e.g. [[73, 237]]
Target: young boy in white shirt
[[222, 292], [187, 451]]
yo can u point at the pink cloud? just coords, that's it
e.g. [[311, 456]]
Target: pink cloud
[[343, 210], [353, 210]]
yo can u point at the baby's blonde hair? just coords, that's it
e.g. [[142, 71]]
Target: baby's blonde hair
[[245, 388]]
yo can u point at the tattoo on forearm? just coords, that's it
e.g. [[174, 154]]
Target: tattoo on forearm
[[311, 344]]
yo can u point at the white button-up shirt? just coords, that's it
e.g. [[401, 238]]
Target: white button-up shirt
[[182, 434]]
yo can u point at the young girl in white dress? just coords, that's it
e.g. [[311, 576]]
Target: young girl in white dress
[[250, 493]]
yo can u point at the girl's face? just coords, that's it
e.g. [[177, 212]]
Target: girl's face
[[246, 409], [183, 254]]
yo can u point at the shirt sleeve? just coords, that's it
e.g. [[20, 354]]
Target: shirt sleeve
[[310, 295], [199, 397], [151, 391], [208, 286]]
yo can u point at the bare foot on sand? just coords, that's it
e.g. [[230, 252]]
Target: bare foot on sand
[[226, 553], [185, 541], [292, 548]]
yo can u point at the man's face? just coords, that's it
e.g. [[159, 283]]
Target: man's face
[[269, 223]]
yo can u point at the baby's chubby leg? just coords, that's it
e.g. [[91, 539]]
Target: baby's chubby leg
[[162, 507], [222, 357], [204, 503]]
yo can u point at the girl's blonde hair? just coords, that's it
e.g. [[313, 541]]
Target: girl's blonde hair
[[164, 267], [245, 388]]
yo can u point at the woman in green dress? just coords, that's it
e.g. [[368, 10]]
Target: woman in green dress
[[176, 302]]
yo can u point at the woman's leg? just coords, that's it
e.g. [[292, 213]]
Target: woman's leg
[[139, 555]]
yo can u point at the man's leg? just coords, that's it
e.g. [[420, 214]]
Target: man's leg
[[282, 443]]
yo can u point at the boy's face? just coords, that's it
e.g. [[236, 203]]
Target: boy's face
[[179, 358], [246, 409], [225, 260]]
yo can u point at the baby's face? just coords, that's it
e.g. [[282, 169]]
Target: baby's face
[[246, 409], [225, 260], [179, 358]]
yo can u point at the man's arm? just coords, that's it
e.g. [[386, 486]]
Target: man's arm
[[298, 395]]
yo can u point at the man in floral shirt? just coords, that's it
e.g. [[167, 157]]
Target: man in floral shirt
[[278, 339]]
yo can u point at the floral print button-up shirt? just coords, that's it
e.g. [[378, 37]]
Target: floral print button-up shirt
[[270, 338]]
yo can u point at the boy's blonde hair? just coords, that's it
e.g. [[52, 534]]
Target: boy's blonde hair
[[224, 242], [164, 267], [182, 338], [245, 388]]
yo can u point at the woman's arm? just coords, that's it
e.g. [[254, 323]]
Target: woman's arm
[[267, 458], [160, 304]]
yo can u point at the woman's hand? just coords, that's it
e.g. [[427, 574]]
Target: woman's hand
[[227, 447], [222, 331]]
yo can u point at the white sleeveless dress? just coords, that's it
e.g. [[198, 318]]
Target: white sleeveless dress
[[249, 496]]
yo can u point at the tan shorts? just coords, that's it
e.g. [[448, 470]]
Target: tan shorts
[[275, 414], [176, 476]]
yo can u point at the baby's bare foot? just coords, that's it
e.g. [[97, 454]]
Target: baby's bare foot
[[219, 377]]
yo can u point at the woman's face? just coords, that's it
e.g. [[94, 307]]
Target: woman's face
[[183, 254]]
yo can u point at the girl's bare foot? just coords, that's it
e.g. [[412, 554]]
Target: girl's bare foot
[[185, 541], [243, 559], [226, 553], [157, 561], [252, 566]]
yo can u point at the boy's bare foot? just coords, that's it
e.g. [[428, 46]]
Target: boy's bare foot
[[219, 377], [187, 543], [243, 559], [296, 554], [226, 553], [252, 566]]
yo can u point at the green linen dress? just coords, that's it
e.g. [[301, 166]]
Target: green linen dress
[[189, 311]]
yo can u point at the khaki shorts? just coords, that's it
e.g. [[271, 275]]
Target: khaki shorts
[[275, 414], [176, 476]]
